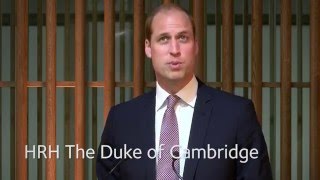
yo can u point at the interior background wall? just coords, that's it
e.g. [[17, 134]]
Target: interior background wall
[[97, 85]]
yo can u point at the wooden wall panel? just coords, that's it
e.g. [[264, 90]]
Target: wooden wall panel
[[138, 50], [314, 89], [51, 35], [199, 21], [21, 109], [80, 95], [109, 56], [256, 54], [227, 45], [285, 99], [167, 1]]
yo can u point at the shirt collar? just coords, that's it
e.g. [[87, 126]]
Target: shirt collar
[[187, 94]]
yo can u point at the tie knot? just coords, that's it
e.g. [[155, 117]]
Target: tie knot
[[172, 101]]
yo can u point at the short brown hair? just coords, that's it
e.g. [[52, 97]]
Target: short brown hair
[[161, 8]]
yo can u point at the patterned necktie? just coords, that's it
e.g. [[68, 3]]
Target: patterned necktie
[[169, 137]]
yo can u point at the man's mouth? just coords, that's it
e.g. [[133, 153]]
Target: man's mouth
[[175, 65]]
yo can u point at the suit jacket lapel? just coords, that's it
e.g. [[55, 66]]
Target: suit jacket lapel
[[200, 122], [148, 130]]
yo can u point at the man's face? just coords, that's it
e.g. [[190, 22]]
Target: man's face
[[172, 47]]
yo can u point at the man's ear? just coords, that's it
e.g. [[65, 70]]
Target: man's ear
[[147, 48]]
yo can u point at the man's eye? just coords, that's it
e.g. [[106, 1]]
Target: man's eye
[[163, 39], [183, 38]]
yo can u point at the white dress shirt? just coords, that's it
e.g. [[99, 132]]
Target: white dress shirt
[[184, 112]]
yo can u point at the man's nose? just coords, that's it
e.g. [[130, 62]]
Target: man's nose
[[174, 48]]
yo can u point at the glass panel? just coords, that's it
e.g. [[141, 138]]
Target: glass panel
[[7, 138]]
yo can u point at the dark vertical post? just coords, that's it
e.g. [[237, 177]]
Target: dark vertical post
[[272, 90], [285, 102], [314, 89], [245, 46], [39, 90], [13, 169], [67, 94], [122, 20], [299, 103], [198, 15], [109, 55], [218, 40], [227, 45], [138, 51], [256, 54], [94, 78]]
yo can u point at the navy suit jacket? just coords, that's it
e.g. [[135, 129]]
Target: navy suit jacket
[[220, 120]]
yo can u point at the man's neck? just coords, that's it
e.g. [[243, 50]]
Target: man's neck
[[174, 86]]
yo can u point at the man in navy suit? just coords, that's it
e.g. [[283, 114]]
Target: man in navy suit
[[219, 136]]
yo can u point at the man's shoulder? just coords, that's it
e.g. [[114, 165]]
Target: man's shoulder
[[223, 97], [136, 102]]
